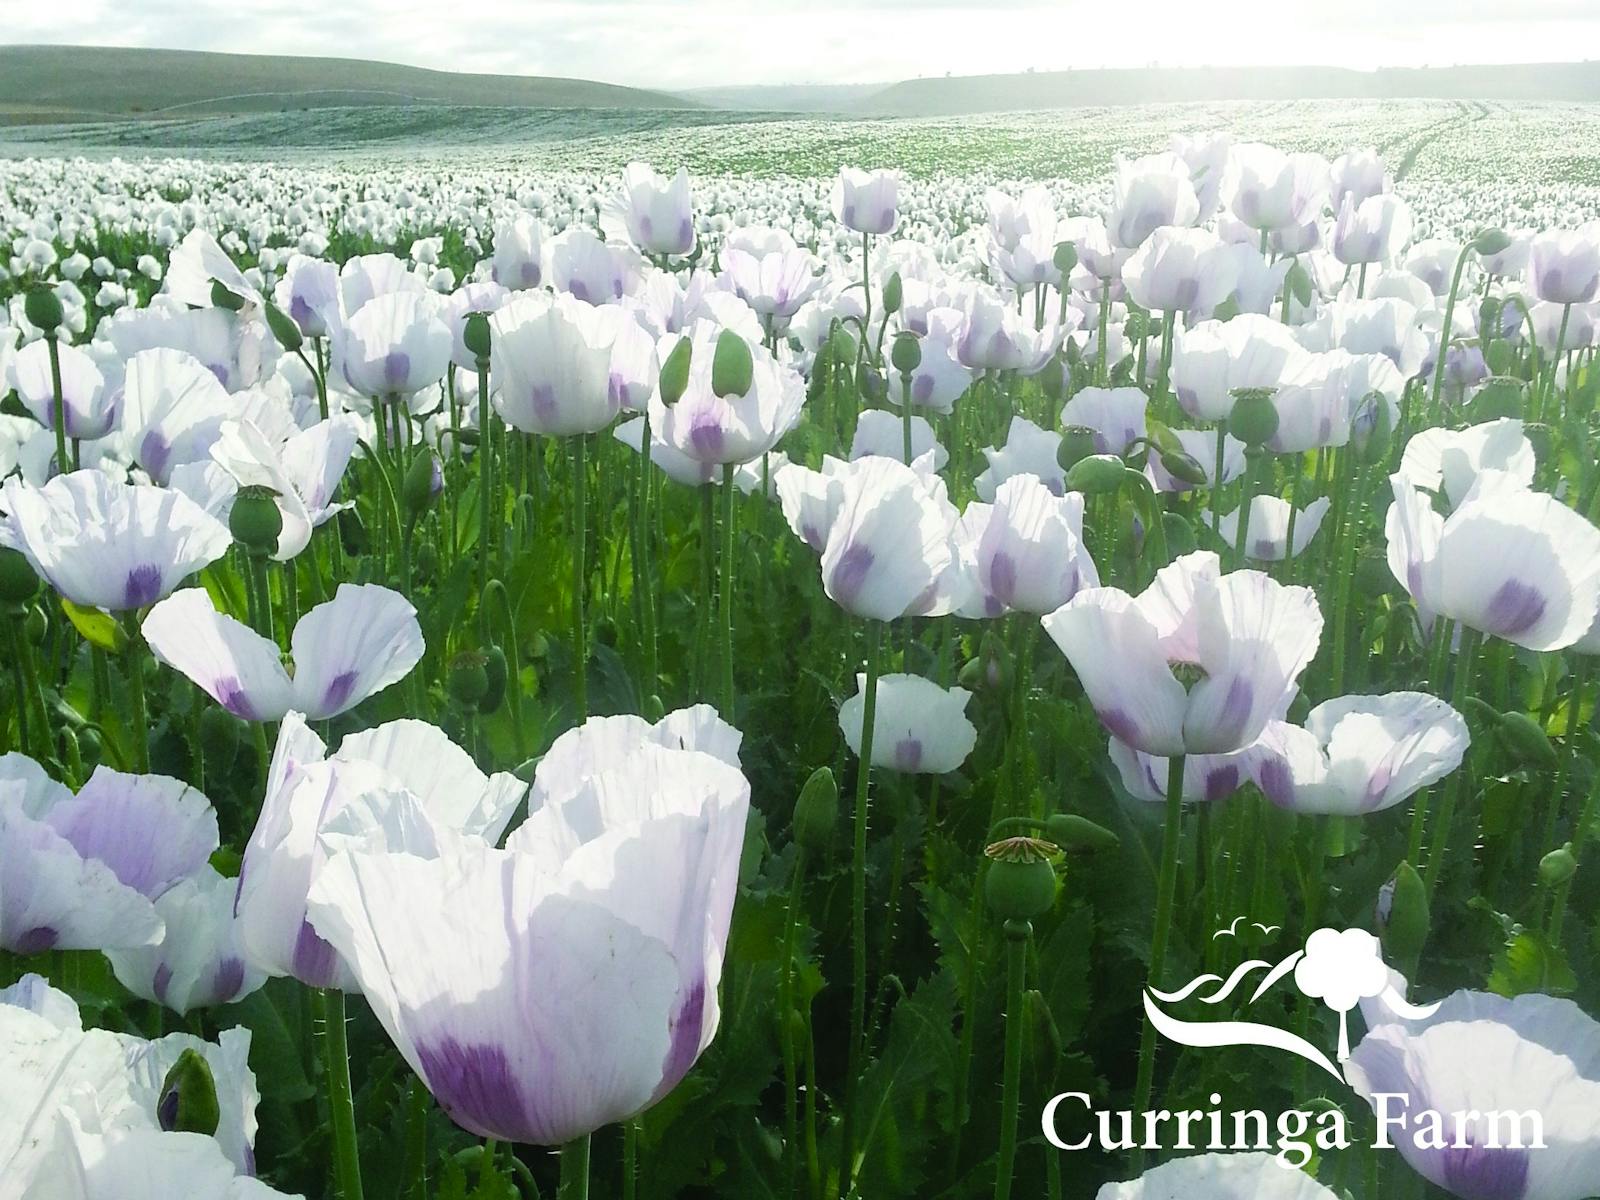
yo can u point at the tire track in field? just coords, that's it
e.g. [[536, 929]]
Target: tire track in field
[[1466, 113]]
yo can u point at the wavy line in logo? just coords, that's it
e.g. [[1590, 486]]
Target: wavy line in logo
[[1216, 1034]]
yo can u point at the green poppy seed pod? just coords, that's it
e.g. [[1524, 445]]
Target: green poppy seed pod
[[1077, 444], [1558, 866], [1065, 257], [1254, 418], [422, 482], [906, 353], [816, 812], [1372, 438], [1500, 396], [1072, 832], [34, 625], [219, 738], [43, 309], [282, 326], [893, 294], [1489, 310], [654, 708], [1097, 475], [1527, 740], [1541, 437], [1184, 467], [18, 583], [476, 337], [1179, 534], [1491, 242], [1137, 326], [498, 671], [1500, 356], [674, 378], [732, 367], [1021, 883], [188, 1100], [255, 521], [1403, 915], [469, 678], [222, 298]]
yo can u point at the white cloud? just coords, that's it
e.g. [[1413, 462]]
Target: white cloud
[[694, 43]]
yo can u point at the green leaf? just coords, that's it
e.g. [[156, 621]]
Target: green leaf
[[1530, 963], [98, 628]]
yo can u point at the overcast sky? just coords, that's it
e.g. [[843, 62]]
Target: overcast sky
[[700, 43]]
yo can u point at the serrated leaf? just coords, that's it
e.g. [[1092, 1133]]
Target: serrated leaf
[[1530, 963]]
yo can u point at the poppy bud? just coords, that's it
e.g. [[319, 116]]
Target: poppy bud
[[1500, 396], [1403, 915], [222, 298], [732, 367], [871, 380], [654, 708], [1021, 883], [1558, 866], [255, 521], [475, 336], [18, 583], [497, 670], [43, 309], [1500, 356], [816, 812], [283, 327], [1527, 740], [1137, 327], [422, 483], [219, 738], [906, 353], [1254, 418], [1491, 242], [1077, 444], [469, 678], [1053, 379], [1070, 831], [674, 378], [1489, 313], [1299, 281], [1097, 474], [1065, 257], [893, 293], [188, 1101], [1183, 467], [1180, 535], [1372, 439]]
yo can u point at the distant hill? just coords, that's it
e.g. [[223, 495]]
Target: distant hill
[[797, 97], [63, 83], [953, 95]]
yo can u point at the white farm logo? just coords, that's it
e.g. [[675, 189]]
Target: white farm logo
[[1341, 968]]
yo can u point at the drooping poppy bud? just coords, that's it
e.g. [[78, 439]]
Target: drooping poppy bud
[[43, 309], [222, 298], [283, 327], [816, 812], [893, 292]]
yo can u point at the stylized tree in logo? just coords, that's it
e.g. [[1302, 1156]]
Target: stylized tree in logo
[[1339, 967]]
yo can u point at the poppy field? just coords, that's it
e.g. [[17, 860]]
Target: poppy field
[[801, 682]]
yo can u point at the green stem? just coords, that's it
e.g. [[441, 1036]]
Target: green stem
[[858, 897], [786, 1026], [135, 663], [416, 1147], [1241, 538], [574, 1170], [1105, 321], [727, 590], [630, 1160], [485, 458], [53, 346], [1580, 835], [513, 663], [1444, 332], [580, 531], [1018, 934], [1447, 810], [1166, 895], [1549, 389], [341, 1099]]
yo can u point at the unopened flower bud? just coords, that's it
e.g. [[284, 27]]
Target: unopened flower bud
[[893, 293], [424, 480], [816, 812], [1183, 467], [1491, 242], [476, 337], [1097, 474], [1065, 257], [732, 367], [1179, 534], [1558, 866], [222, 298], [1254, 418], [255, 521], [43, 309], [498, 671], [188, 1100], [1371, 435], [1527, 740], [469, 678], [1070, 831], [905, 355], [674, 378], [283, 327], [1403, 915], [1077, 444]]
